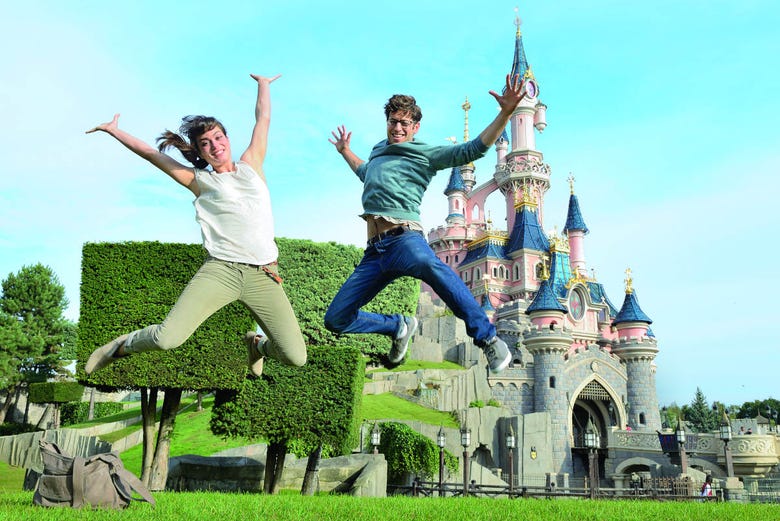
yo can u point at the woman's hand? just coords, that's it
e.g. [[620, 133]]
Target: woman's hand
[[106, 127]]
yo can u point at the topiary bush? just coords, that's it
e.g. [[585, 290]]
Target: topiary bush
[[409, 452]]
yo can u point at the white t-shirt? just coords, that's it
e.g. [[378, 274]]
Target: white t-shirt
[[234, 213]]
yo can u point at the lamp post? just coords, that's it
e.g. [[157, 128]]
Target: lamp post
[[511, 442], [465, 440], [725, 435], [441, 441], [680, 435], [376, 437], [592, 442]]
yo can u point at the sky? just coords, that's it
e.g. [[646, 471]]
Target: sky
[[664, 112]]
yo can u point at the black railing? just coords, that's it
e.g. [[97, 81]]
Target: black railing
[[653, 489]]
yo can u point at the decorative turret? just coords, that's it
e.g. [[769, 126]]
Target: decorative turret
[[467, 171], [456, 198], [631, 321], [576, 230], [548, 342], [527, 233], [638, 351]]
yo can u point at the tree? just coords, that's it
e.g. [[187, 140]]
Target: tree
[[131, 285], [768, 408], [32, 324], [700, 415]]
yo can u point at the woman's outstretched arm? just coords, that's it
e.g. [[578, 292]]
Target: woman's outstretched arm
[[183, 175], [255, 153]]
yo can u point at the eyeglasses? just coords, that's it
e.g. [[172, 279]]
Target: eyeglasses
[[405, 123]]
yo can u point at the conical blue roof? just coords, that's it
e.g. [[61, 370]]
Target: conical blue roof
[[574, 220], [456, 182], [526, 232], [503, 137], [545, 300], [486, 305], [631, 312], [519, 62]]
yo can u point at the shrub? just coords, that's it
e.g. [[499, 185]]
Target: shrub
[[409, 452], [78, 412]]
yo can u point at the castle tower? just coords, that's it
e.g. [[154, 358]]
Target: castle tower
[[527, 247], [456, 198], [637, 348], [576, 230], [548, 342], [467, 171], [523, 165]]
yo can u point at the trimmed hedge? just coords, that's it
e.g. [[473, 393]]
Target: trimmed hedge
[[409, 452], [317, 403], [78, 412], [55, 392], [127, 286]]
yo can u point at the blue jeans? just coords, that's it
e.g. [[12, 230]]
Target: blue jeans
[[391, 258]]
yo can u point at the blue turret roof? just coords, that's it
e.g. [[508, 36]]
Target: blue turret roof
[[631, 312], [574, 220], [488, 248], [486, 305], [503, 137], [526, 232], [545, 300], [456, 182], [519, 63]]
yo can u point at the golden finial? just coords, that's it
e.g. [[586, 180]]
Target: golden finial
[[517, 21], [489, 222], [629, 282], [466, 107], [593, 274], [570, 179]]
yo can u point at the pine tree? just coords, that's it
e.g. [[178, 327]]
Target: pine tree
[[33, 329], [700, 416]]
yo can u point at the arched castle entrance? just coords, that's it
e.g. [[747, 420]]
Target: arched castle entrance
[[595, 403]]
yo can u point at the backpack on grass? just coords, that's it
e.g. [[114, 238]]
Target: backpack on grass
[[100, 481]]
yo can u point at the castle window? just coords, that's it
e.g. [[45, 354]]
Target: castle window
[[539, 269], [517, 272], [456, 258], [495, 273], [477, 274], [642, 418], [552, 382], [447, 259]]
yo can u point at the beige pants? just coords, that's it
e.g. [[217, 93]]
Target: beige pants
[[216, 284]]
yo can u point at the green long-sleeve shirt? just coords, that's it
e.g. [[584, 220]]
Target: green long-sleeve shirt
[[396, 176]]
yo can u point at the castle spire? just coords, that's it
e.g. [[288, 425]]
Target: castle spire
[[631, 313], [520, 65]]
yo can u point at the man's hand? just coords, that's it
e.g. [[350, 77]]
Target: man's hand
[[341, 140], [512, 95]]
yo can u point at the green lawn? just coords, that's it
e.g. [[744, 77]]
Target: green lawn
[[210, 506]]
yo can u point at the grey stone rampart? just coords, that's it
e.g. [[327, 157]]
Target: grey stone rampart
[[359, 474], [23, 450]]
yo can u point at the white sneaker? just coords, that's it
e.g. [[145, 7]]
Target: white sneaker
[[497, 354], [401, 342]]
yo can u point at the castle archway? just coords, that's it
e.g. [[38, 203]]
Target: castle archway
[[593, 404]]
